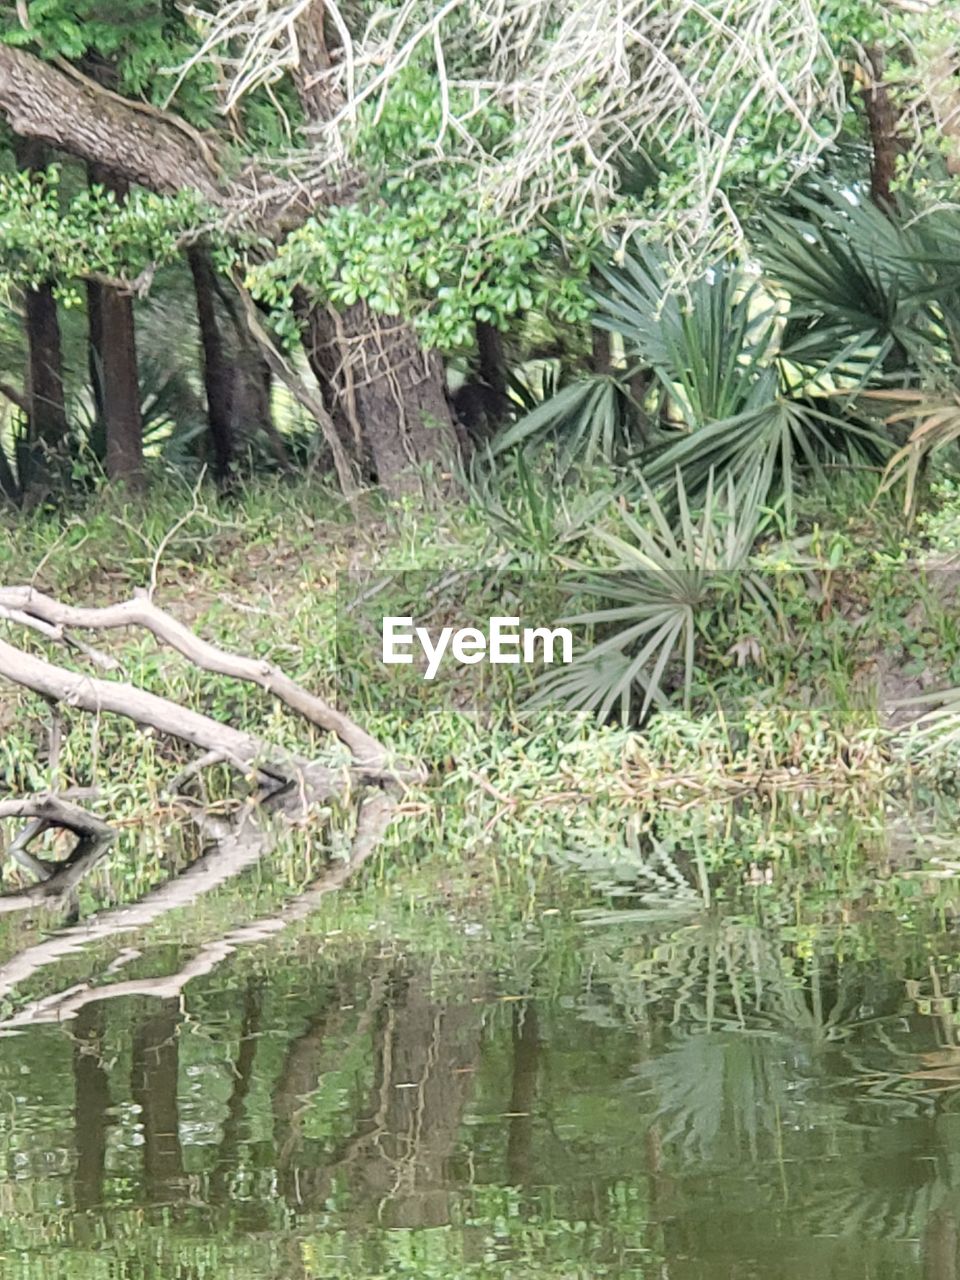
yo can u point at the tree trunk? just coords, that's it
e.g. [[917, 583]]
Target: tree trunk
[[480, 404], [48, 414], [113, 339], [46, 409], [523, 1097], [217, 368], [390, 394], [882, 126], [386, 395], [95, 346]]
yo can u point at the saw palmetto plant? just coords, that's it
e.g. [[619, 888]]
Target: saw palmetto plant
[[730, 402], [654, 601]]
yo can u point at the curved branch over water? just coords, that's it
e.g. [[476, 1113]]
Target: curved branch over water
[[142, 612]]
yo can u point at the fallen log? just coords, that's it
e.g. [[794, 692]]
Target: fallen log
[[142, 612]]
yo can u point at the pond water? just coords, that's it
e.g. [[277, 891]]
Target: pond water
[[726, 1094]]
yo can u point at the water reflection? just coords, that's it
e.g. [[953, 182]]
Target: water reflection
[[727, 1098]]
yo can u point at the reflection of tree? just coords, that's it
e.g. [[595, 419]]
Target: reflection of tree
[[228, 1153], [91, 1107], [425, 1051], [940, 1246], [526, 1067], [297, 1083], [153, 1085]]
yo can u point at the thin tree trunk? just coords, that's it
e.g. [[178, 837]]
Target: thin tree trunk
[[46, 406], [391, 394], [48, 414], [116, 343], [217, 368], [601, 358], [882, 126]]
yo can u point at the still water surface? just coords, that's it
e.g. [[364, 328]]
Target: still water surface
[[704, 1096]]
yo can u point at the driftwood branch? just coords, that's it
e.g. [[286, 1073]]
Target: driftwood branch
[[150, 711], [142, 612], [48, 812]]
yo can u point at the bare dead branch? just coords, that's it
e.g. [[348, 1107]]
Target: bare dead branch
[[141, 612], [584, 83], [150, 711], [94, 837]]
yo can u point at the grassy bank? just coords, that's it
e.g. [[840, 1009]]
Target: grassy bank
[[790, 703]]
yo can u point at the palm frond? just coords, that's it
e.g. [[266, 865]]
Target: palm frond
[[857, 286], [653, 600], [708, 346], [772, 442], [593, 419], [937, 424]]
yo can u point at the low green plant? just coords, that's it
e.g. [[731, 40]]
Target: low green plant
[[660, 591], [730, 401]]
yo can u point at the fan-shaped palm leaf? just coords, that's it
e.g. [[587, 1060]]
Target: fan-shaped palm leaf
[[661, 587], [771, 442], [708, 345]]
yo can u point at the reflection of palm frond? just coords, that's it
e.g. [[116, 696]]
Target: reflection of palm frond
[[646, 873]]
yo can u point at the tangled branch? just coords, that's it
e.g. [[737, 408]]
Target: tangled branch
[[585, 84]]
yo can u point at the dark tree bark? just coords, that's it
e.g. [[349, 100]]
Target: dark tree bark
[[387, 396], [492, 361], [113, 339], [481, 403], [46, 408], [48, 414], [600, 356], [882, 120], [42, 102], [390, 393], [217, 367]]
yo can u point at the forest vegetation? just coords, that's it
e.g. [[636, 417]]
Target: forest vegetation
[[650, 309]]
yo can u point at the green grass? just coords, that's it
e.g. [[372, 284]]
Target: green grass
[[516, 790]]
